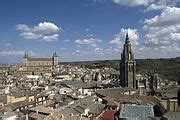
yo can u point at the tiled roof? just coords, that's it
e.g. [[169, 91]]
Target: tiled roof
[[172, 115], [138, 112], [171, 93], [62, 73], [42, 109], [96, 108], [135, 98], [78, 108], [3, 99], [21, 93], [14, 106], [114, 91], [108, 115], [37, 116], [8, 114]]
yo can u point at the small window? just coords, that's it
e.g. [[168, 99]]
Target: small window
[[129, 56], [130, 68], [113, 108]]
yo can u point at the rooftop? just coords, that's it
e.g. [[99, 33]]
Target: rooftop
[[136, 112], [42, 109], [172, 115], [114, 91]]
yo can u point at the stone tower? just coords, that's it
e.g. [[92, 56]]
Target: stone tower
[[25, 58], [55, 59], [127, 66]]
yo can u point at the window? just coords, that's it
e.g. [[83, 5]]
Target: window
[[113, 108], [129, 56], [130, 68]]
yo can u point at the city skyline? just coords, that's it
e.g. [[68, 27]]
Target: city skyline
[[88, 29]]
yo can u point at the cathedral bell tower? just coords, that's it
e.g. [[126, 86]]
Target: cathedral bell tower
[[25, 59], [127, 66], [55, 59]]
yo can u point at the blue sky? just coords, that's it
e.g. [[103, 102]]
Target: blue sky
[[81, 30]]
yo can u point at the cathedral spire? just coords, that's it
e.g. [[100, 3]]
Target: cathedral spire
[[127, 37]]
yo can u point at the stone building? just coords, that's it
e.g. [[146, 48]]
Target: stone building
[[154, 82], [127, 66], [38, 65], [27, 61]]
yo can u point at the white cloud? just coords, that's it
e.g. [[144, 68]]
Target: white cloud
[[166, 24], [163, 31], [131, 2], [30, 35], [45, 31], [11, 53], [16, 53], [116, 40], [81, 52], [169, 16], [119, 38], [175, 36], [90, 42], [98, 51], [112, 50], [49, 38], [176, 48], [46, 27], [149, 5], [75, 52], [154, 6], [22, 27]]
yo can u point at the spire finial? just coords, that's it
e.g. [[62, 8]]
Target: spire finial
[[25, 55], [127, 36], [55, 54]]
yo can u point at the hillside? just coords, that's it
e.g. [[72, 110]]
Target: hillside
[[168, 68]]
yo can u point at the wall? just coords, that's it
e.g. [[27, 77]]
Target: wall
[[172, 105], [38, 63], [12, 99]]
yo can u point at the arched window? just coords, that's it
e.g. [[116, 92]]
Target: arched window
[[129, 56], [130, 68]]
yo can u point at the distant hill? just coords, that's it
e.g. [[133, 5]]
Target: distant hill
[[168, 68]]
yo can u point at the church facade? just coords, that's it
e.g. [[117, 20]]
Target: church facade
[[127, 66]]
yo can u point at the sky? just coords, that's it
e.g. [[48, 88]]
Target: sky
[[82, 30]]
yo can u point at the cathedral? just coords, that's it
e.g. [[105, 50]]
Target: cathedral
[[127, 66]]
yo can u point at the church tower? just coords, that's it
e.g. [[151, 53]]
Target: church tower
[[127, 66], [25, 59], [55, 59]]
